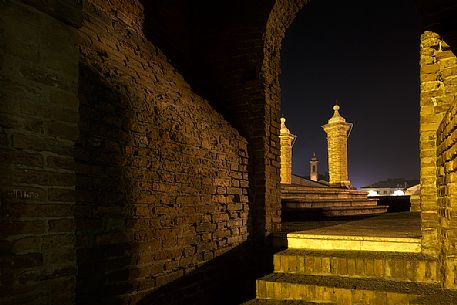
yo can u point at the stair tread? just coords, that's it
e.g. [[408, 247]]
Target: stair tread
[[372, 207], [345, 282], [284, 302], [297, 199], [319, 189], [355, 254], [342, 207]]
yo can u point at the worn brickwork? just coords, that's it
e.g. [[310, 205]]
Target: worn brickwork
[[447, 192], [162, 178], [437, 94], [38, 126], [446, 144]]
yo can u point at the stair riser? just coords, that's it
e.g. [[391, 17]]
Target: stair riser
[[321, 196], [401, 269], [340, 296], [319, 190], [324, 204], [355, 212], [318, 242]]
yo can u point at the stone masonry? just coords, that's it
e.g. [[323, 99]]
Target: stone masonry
[[337, 130], [287, 140]]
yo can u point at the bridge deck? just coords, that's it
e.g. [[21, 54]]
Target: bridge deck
[[394, 225]]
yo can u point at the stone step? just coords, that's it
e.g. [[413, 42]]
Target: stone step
[[328, 203], [320, 191], [331, 211], [354, 211], [308, 241], [368, 264], [303, 204], [321, 196], [285, 302], [350, 291]]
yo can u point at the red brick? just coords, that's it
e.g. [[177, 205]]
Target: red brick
[[22, 227], [42, 177], [60, 162], [61, 194]]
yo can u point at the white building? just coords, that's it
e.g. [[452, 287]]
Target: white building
[[389, 187]]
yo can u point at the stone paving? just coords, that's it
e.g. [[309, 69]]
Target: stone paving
[[403, 224]]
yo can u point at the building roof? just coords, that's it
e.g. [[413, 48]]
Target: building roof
[[393, 183], [305, 181]]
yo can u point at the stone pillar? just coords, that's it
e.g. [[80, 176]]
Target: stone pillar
[[338, 130], [313, 173], [287, 140]]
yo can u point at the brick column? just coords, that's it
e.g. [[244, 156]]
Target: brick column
[[287, 140], [337, 131]]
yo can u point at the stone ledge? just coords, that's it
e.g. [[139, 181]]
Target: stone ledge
[[359, 243]]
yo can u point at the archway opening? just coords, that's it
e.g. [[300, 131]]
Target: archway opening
[[367, 60]]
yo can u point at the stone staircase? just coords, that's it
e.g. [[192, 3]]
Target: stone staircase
[[302, 202], [306, 275]]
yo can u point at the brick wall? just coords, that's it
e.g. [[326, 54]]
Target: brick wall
[[38, 126], [446, 147], [233, 59], [437, 94], [447, 193], [162, 178]]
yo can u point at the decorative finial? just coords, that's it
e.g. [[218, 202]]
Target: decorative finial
[[283, 120], [336, 107]]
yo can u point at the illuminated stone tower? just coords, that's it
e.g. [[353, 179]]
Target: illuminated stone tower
[[338, 131], [287, 140], [313, 174]]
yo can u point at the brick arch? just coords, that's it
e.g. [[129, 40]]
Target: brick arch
[[229, 52], [280, 18]]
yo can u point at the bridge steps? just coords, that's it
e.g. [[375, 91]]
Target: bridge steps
[[300, 202], [346, 291], [307, 273], [285, 302], [395, 266]]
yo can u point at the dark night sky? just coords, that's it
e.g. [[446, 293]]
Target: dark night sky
[[364, 54]]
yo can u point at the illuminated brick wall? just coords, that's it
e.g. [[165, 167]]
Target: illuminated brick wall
[[437, 94]]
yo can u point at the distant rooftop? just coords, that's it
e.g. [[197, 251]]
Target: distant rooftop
[[393, 183]]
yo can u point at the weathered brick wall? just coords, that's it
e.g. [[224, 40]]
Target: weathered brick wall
[[437, 94], [233, 59], [162, 179], [446, 147], [38, 126], [447, 191]]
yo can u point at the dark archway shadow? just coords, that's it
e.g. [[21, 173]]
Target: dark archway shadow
[[105, 253]]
